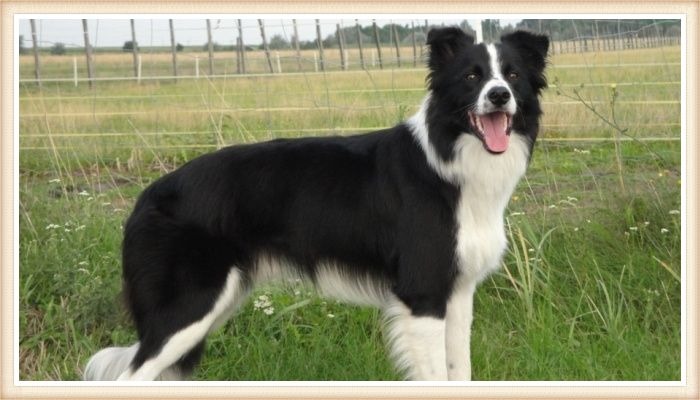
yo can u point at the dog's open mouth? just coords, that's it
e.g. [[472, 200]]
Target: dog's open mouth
[[494, 129]]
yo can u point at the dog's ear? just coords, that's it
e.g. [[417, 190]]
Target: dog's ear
[[444, 43], [533, 47]]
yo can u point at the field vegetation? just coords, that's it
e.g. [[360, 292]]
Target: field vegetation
[[590, 288]]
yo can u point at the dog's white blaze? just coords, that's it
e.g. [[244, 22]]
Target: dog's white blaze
[[184, 340], [483, 105], [417, 343]]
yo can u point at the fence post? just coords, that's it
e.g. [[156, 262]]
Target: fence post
[[196, 66], [359, 43], [296, 44], [279, 64], [138, 70], [265, 46], [241, 46], [37, 67], [396, 43], [319, 38], [88, 52], [75, 71], [376, 40], [315, 62], [341, 47], [413, 40], [173, 47], [135, 49], [210, 47]]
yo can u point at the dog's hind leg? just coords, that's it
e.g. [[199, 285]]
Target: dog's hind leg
[[156, 359]]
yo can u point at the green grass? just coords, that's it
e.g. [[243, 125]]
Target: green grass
[[589, 289]]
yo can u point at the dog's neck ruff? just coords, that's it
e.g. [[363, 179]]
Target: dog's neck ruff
[[471, 164]]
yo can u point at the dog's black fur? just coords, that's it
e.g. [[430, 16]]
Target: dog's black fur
[[370, 204]]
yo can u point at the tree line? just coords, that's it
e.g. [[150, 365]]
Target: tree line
[[557, 29]]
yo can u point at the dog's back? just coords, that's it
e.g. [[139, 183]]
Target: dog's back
[[408, 219]]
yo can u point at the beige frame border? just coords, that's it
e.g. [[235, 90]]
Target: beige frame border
[[562, 390]]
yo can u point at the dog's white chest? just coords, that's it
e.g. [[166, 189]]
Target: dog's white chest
[[487, 183]]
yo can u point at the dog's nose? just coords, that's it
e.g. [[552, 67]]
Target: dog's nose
[[499, 95]]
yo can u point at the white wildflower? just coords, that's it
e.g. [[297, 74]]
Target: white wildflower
[[262, 302], [664, 231], [330, 315], [55, 180], [83, 193], [674, 212], [633, 228], [269, 310]]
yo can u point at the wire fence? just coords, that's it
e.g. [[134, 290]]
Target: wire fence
[[242, 47], [209, 92]]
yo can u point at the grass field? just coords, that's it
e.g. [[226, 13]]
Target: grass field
[[589, 290]]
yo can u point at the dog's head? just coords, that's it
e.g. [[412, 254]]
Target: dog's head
[[487, 90]]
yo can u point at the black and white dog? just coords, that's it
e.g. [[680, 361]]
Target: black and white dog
[[408, 219]]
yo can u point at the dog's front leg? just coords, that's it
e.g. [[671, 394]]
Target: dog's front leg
[[458, 321], [417, 343]]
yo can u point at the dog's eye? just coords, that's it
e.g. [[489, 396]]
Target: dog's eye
[[513, 76], [472, 77]]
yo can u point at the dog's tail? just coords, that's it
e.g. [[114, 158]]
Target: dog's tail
[[110, 363]]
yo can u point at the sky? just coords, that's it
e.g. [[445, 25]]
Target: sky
[[190, 32]]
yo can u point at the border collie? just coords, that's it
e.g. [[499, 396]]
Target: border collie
[[408, 219]]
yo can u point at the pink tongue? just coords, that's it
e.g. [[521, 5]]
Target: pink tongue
[[495, 131]]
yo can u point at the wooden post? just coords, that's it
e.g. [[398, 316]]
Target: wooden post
[[210, 47], [265, 46], [359, 44], [238, 55], [296, 44], [196, 67], [138, 70], [341, 47], [75, 71], [241, 46], [413, 40], [88, 52], [279, 64], [376, 41], [135, 49], [319, 38], [35, 45], [173, 48], [396, 43]]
